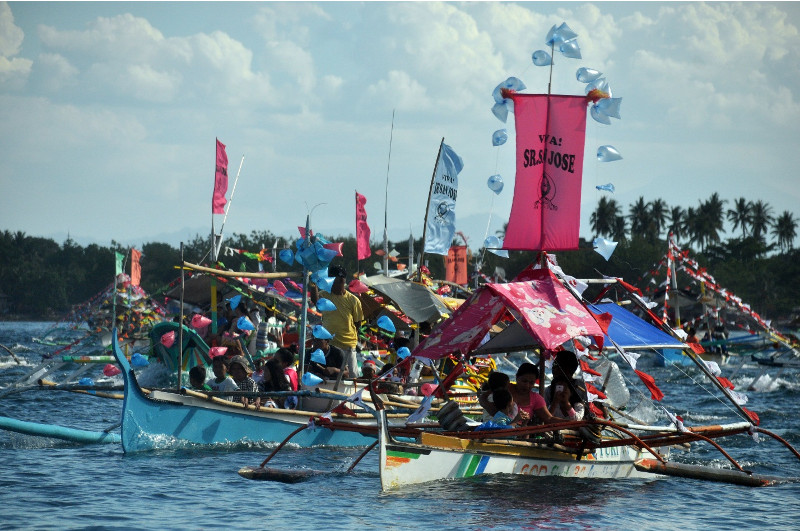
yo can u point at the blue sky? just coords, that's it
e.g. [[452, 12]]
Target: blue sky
[[110, 110]]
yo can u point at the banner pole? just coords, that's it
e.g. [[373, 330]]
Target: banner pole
[[427, 208]]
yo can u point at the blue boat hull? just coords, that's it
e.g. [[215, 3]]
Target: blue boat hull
[[167, 420]]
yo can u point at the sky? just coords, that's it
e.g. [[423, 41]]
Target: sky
[[110, 111]]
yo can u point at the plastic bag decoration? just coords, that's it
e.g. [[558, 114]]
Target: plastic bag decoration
[[310, 380], [541, 58], [320, 332], [325, 305], [493, 245], [606, 187], [502, 104], [604, 248], [286, 256], [495, 184], [570, 49], [499, 137], [608, 154], [559, 35], [587, 75], [386, 323]]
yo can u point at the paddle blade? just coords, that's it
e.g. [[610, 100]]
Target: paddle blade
[[277, 474]]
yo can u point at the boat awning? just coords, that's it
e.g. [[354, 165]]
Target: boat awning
[[626, 329], [631, 332], [414, 300], [542, 305]]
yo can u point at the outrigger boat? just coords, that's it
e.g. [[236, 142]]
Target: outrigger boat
[[545, 216]]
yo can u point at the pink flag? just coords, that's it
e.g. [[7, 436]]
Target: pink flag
[[545, 213], [362, 229], [220, 180]]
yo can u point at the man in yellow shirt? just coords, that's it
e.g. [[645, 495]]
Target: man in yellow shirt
[[343, 322]]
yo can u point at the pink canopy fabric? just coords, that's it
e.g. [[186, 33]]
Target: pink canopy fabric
[[546, 309]]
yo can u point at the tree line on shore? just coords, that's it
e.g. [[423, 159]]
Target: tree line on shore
[[42, 279]]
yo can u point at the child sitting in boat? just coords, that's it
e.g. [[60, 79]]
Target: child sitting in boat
[[221, 381], [274, 380], [507, 410], [240, 372], [497, 380], [197, 379]]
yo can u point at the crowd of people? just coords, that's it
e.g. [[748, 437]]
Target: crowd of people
[[515, 404]]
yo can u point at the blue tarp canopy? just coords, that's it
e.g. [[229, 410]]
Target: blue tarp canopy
[[626, 329], [631, 332]]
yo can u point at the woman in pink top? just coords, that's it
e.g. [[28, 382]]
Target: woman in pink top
[[531, 404]]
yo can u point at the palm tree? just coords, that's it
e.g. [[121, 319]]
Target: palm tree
[[677, 221], [639, 215], [658, 217], [761, 220], [692, 228], [741, 215], [785, 230], [604, 216], [619, 228], [712, 212]]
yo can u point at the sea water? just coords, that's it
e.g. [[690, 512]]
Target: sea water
[[52, 484]]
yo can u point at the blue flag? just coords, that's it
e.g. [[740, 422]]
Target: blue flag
[[441, 225]]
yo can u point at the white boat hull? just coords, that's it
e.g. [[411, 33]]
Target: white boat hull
[[438, 457]]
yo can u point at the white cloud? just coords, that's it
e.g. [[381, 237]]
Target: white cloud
[[14, 71], [11, 35]]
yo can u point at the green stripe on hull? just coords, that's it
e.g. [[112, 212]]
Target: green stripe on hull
[[467, 466], [407, 455]]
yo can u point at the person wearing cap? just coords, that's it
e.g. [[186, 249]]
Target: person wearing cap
[[369, 369], [240, 372], [343, 322]]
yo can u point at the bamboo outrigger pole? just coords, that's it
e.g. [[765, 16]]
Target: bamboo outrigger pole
[[427, 208]]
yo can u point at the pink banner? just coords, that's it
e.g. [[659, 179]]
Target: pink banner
[[220, 180], [362, 229], [551, 132]]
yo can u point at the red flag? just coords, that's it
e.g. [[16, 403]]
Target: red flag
[[752, 415], [655, 392], [220, 180], [588, 370], [725, 382], [551, 132], [456, 265], [362, 229], [595, 391], [136, 268]]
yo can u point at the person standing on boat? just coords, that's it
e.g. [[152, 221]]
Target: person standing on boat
[[343, 322]]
